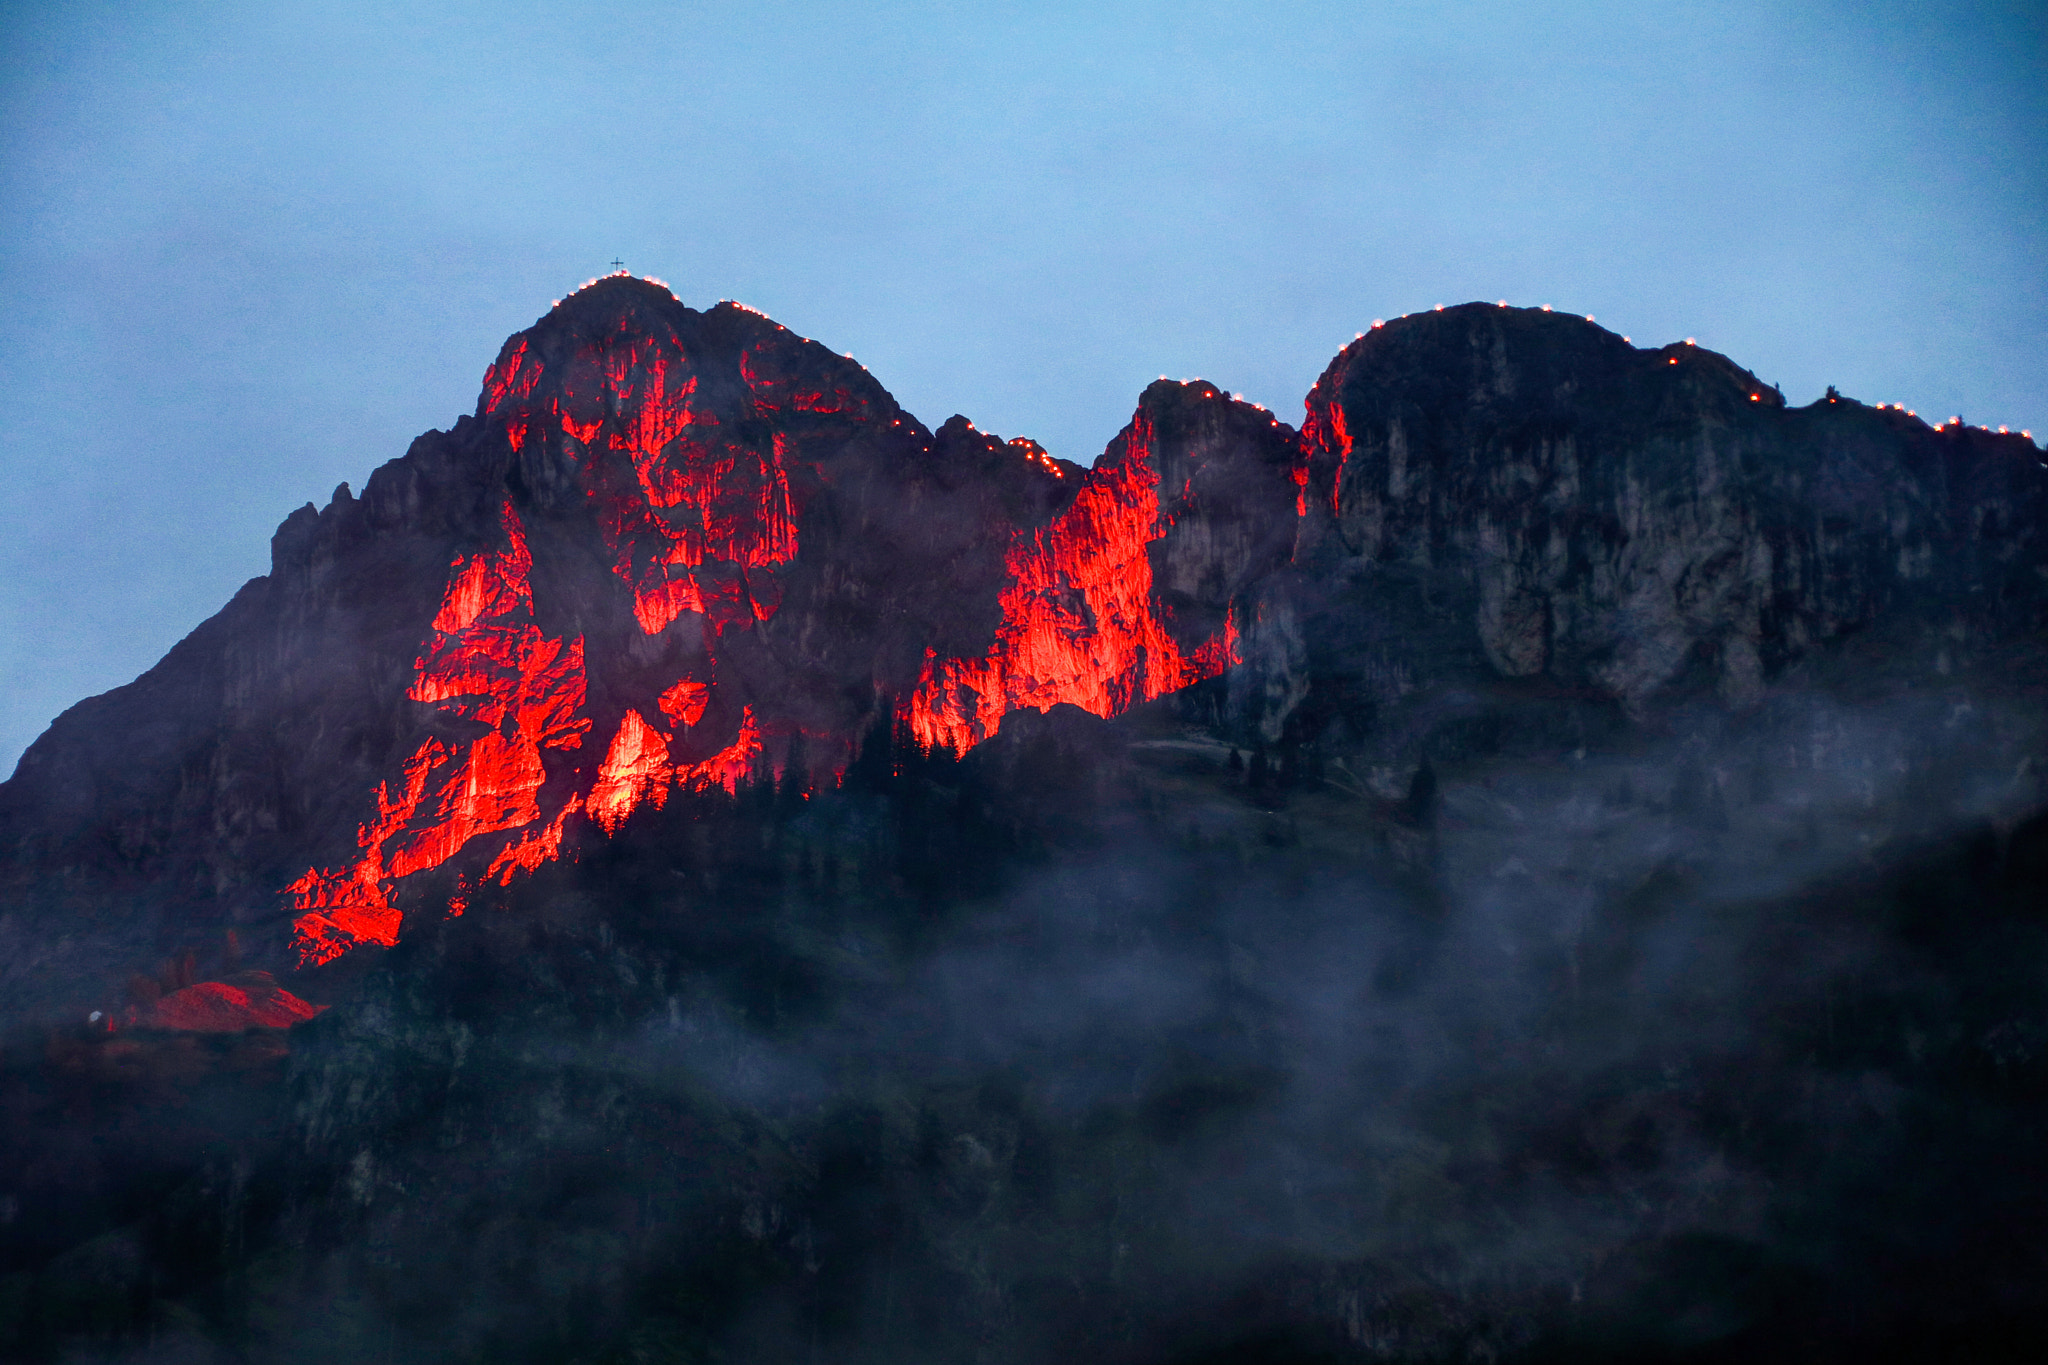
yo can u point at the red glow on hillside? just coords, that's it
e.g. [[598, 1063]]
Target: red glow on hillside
[[706, 515], [487, 584], [251, 1000], [697, 514], [684, 703], [774, 388], [491, 672], [533, 848], [1325, 431], [1340, 430], [350, 906], [1080, 622], [492, 785], [728, 767], [638, 769], [511, 378], [1215, 654], [487, 663], [696, 488]]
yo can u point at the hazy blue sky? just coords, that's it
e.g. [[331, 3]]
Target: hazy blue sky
[[249, 251]]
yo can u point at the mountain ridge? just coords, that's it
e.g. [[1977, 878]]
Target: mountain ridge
[[1476, 492]]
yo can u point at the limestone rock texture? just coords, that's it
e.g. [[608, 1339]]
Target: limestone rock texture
[[1513, 494]]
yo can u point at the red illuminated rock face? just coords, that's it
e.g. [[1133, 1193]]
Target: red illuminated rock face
[[1125, 595], [486, 663], [678, 450], [713, 540], [247, 1000]]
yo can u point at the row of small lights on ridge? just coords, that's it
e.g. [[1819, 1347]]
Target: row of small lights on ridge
[[613, 275], [1754, 398], [1502, 303], [1956, 422], [1235, 397], [1377, 323]]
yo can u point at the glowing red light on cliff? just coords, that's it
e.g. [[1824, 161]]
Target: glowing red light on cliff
[[531, 849], [728, 767], [710, 513], [251, 1000], [684, 703], [697, 518], [1325, 430], [638, 769], [707, 514], [511, 379], [1341, 431], [698, 505], [350, 906], [486, 662], [1080, 621]]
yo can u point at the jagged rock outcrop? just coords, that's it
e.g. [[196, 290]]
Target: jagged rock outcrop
[[1503, 493], [1126, 594]]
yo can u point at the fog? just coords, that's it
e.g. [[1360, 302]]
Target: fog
[[1719, 1038]]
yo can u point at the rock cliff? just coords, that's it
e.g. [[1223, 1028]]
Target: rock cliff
[[1498, 493], [670, 549]]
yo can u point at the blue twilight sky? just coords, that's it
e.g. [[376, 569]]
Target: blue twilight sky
[[250, 250]]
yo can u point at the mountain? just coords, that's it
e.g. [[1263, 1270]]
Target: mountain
[[1431, 881], [668, 549]]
